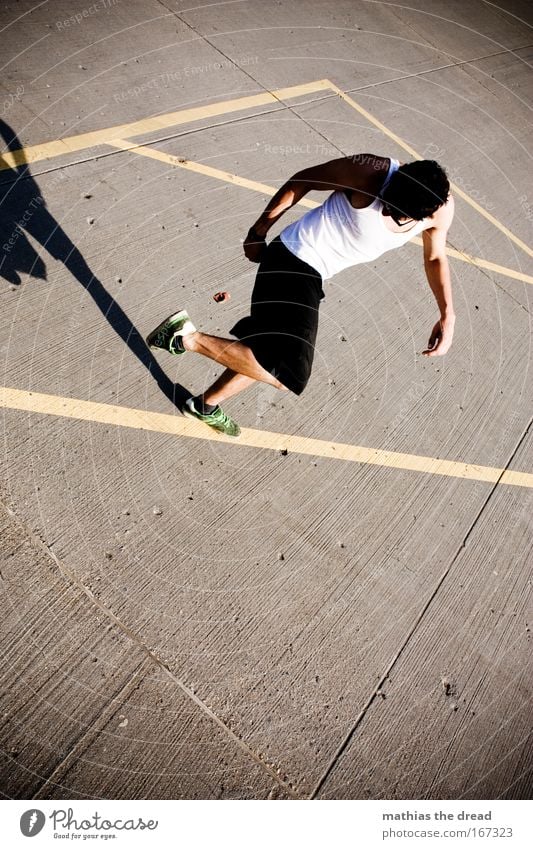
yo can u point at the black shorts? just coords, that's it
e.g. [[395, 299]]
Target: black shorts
[[283, 322]]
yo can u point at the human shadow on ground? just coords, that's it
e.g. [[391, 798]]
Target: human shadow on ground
[[23, 211]]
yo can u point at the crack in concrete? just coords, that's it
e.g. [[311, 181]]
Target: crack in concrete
[[189, 132], [438, 68], [233, 121], [349, 91], [250, 76], [373, 696], [429, 70], [84, 740], [282, 107], [70, 576]]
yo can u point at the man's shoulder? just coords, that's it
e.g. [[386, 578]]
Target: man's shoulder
[[371, 161], [367, 171], [373, 166]]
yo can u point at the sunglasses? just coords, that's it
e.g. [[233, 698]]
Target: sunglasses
[[393, 213]]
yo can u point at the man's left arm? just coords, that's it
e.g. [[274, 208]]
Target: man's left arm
[[438, 275]]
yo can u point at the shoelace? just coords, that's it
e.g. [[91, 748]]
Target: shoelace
[[220, 417]]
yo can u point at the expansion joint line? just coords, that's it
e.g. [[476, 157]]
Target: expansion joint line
[[70, 577], [364, 710], [91, 733], [256, 82]]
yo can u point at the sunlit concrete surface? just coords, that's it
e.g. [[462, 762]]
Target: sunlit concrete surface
[[338, 605]]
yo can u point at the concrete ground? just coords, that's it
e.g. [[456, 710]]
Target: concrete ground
[[339, 604]]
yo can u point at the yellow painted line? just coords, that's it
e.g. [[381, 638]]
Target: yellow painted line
[[482, 263], [112, 135], [92, 411], [197, 167], [399, 141], [226, 176], [70, 144], [505, 230]]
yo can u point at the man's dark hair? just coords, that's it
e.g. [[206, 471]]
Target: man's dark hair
[[417, 189]]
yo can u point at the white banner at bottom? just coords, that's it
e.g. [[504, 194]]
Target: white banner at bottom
[[250, 824]]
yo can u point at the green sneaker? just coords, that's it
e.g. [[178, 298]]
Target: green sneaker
[[178, 324], [218, 419]]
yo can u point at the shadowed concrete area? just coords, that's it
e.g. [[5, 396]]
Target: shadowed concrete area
[[188, 618]]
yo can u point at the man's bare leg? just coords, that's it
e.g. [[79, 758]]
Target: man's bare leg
[[236, 356], [228, 384], [177, 334]]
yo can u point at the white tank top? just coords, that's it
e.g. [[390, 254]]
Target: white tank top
[[335, 235]]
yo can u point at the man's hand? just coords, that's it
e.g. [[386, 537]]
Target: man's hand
[[254, 245], [441, 338]]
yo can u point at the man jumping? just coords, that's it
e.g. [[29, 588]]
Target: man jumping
[[375, 205]]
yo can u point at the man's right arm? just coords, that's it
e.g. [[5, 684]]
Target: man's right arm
[[355, 173]]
